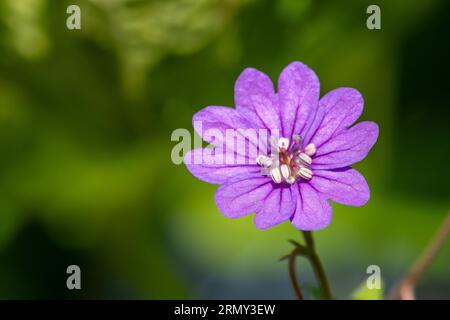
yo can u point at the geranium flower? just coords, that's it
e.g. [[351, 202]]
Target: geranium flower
[[305, 165]]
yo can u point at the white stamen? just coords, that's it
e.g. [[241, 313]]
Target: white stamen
[[264, 161], [285, 171], [287, 162], [275, 162], [283, 144], [310, 149], [275, 173], [290, 180], [305, 158], [305, 173], [261, 160]]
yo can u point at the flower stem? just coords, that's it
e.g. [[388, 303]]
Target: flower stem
[[405, 289], [293, 275], [317, 266]]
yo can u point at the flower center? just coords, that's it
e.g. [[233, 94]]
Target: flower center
[[290, 162]]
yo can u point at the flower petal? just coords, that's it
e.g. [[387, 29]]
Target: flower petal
[[220, 125], [346, 148], [298, 94], [204, 165], [312, 212], [337, 110], [255, 98], [346, 186], [278, 207], [243, 194]]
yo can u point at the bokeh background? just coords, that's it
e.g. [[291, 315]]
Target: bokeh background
[[86, 118]]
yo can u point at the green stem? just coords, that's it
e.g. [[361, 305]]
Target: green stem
[[317, 266], [293, 276]]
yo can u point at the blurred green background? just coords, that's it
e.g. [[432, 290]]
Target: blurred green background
[[85, 122]]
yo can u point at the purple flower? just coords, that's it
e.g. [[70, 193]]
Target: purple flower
[[305, 165]]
